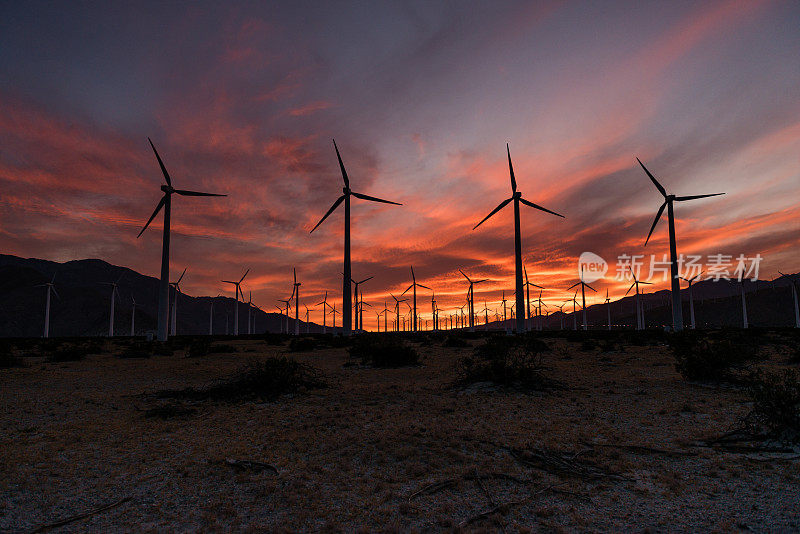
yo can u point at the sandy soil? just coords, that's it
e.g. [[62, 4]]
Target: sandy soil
[[354, 456]]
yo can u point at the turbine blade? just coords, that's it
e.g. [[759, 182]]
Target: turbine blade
[[426, 287], [511, 170], [374, 199], [179, 278], [335, 205], [534, 285], [590, 287], [56, 293], [653, 178], [648, 283], [694, 197], [573, 285], [341, 166], [404, 292], [538, 207], [479, 281], [655, 222], [414, 278], [365, 279], [465, 276], [629, 289], [498, 208], [160, 163], [153, 216], [186, 193], [245, 274]]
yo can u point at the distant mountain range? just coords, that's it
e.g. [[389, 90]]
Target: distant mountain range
[[83, 306]]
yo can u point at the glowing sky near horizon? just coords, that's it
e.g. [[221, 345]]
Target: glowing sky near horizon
[[421, 97]]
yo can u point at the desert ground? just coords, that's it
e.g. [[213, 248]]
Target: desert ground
[[624, 443]]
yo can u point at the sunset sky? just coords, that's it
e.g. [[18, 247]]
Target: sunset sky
[[421, 98]]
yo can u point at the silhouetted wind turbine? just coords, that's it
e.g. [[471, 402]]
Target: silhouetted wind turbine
[[346, 193], [286, 302], [471, 299], [677, 311], [744, 305], [249, 312], [324, 304], [211, 317], [504, 308], [296, 293], [528, 292], [114, 294], [397, 311], [691, 298], [794, 295], [236, 309], [539, 311], [334, 312], [639, 311], [517, 198], [50, 288], [413, 286], [561, 309], [357, 304], [166, 202], [583, 295], [574, 313], [174, 319], [608, 309], [308, 327]]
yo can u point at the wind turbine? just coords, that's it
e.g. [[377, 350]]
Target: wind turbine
[[744, 304], [50, 288], [677, 311], [286, 302], [114, 294], [296, 293], [471, 299], [249, 313], [561, 309], [608, 309], [691, 298], [346, 193], [485, 311], [504, 308], [236, 309], [414, 285], [133, 316], [334, 312], [639, 311], [174, 319], [528, 292], [361, 313], [308, 327], [397, 311], [539, 311], [517, 198], [574, 313], [356, 306], [166, 203], [211, 318], [583, 285], [794, 295], [434, 311], [385, 313], [324, 304]]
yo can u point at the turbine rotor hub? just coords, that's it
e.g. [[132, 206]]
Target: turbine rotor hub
[[517, 194], [346, 190], [670, 198], [168, 189]]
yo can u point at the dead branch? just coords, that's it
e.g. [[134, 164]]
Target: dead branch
[[503, 506], [77, 517], [250, 465]]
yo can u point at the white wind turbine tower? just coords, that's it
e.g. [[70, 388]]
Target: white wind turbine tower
[[574, 312], [561, 309], [296, 292], [744, 304], [174, 320], [114, 294], [286, 320], [691, 298], [133, 316], [639, 310], [677, 310], [794, 295], [211, 318], [236, 309], [50, 288], [166, 203], [250, 313]]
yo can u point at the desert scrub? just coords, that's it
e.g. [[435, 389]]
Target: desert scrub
[[258, 380], [383, 350], [198, 347], [302, 344], [455, 341], [776, 405], [509, 362], [711, 358]]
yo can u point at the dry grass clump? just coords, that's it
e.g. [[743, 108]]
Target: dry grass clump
[[383, 351], [302, 344], [509, 362], [266, 380]]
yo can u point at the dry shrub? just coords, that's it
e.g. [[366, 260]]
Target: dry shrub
[[383, 350], [776, 405], [712, 358], [509, 362], [265, 380], [302, 344]]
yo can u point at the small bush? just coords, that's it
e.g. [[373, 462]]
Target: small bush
[[709, 358], [67, 354], [381, 350], [508, 362], [7, 358], [302, 344], [776, 406], [198, 348], [455, 342], [266, 380]]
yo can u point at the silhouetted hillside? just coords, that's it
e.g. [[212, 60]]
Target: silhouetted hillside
[[83, 306]]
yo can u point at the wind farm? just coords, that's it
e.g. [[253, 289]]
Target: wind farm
[[225, 364]]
